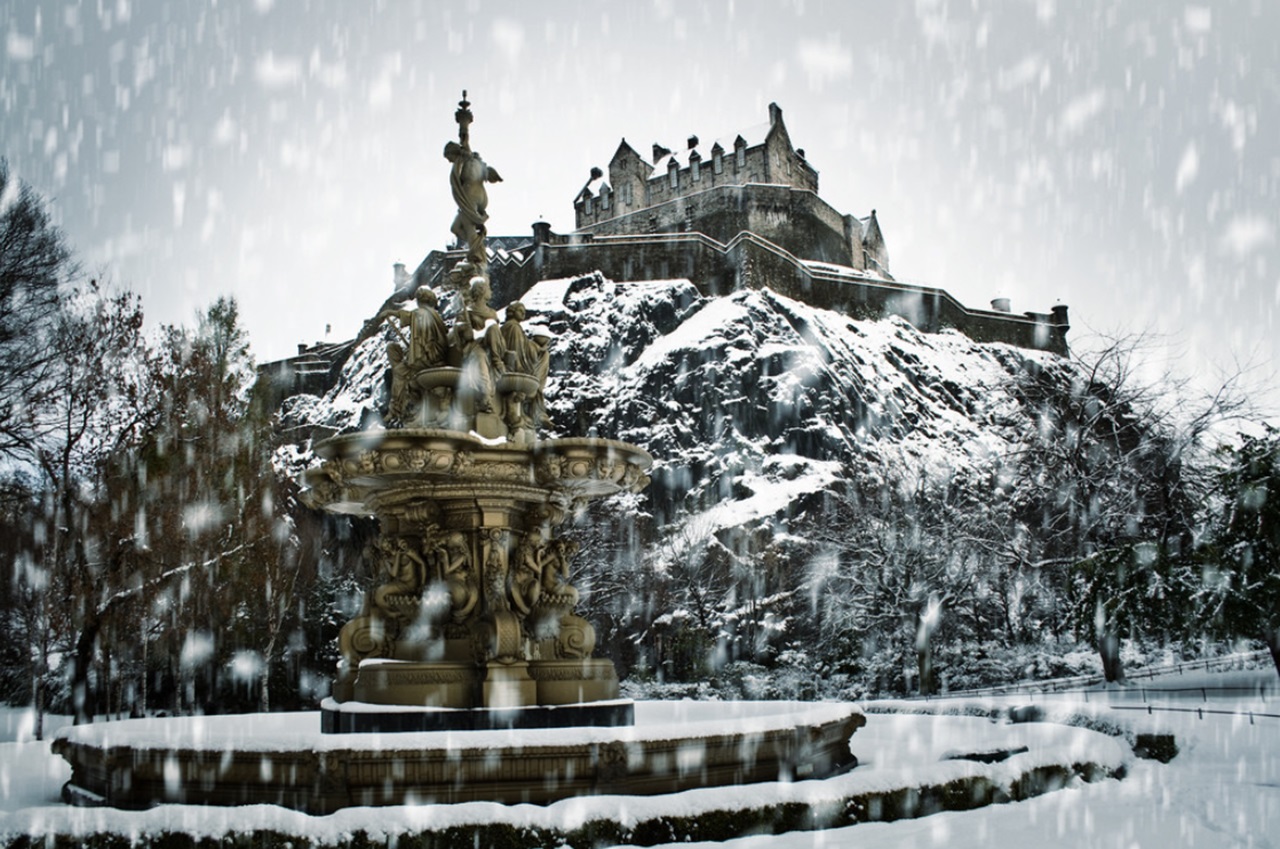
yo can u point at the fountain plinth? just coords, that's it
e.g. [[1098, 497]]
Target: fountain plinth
[[474, 609]]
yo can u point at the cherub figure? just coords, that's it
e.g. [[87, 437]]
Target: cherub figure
[[526, 582], [464, 592]]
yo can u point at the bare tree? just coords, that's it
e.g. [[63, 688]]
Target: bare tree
[[1106, 487], [901, 566], [87, 409], [1237, 582], [35, 266]]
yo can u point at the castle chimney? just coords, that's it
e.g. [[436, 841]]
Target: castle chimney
[[1002, 305], [693, 142], [658, 152], [775, 114]]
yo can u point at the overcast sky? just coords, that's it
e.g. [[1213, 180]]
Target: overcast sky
[[1119, 157]]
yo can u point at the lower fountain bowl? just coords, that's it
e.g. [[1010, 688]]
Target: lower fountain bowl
[[284, 759]]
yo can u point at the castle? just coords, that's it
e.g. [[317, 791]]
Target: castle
[[743, 213], [755, 183]]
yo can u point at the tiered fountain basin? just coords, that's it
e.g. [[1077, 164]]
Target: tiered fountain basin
[[283, 759], [373, 472]]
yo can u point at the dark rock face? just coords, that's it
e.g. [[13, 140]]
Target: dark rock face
[[724, 389]]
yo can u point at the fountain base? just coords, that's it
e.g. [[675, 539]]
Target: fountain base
[[275, 759], [494, 686], [365, 718]]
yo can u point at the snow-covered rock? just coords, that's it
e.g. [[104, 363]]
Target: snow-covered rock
[[748, 402]]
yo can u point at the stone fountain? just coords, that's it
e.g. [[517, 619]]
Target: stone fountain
[[469, 646], [476, 611]]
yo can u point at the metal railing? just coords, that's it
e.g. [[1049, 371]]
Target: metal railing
[[1151, 709], [1080, 683]]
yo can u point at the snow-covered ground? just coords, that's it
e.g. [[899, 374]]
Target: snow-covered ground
[[1222, 790]]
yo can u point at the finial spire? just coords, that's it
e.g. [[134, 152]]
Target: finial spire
[[464, 119]]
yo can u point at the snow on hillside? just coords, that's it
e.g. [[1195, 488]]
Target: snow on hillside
[[747, 401], [714, 386]]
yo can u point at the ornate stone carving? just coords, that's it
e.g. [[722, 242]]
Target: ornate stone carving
[[577, 637], [404, 565], [467, 180], [526, 580], [495, 570], [476, 374], [404, 395], [550, 469], [458, 574], [555, 573], [425, 345]]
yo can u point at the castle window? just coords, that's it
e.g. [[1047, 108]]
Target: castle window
[[740, 157], [604, 198], [717, 162], [626, 194], [695, 169], [673, 171]]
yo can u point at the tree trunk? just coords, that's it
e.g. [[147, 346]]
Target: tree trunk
[[82, 699], [924, 665], [37, 695], [264, 691], [144, 679], [1109, 651], [1272, 637]]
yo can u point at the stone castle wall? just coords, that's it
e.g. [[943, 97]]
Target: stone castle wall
[[785, 215], [715, 267], [748, 261]]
